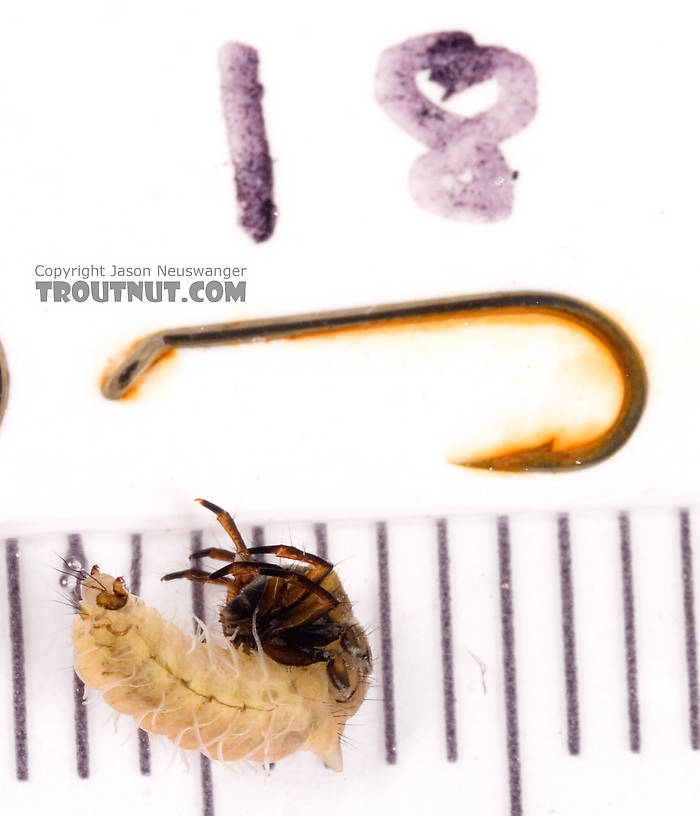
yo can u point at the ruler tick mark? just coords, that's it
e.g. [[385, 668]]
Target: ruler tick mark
[[258, 536], [691, 642], [207, 786], [509, 674], [569, 635], [630, 632], [446, 641], [321, 533], [386, 642], [19, 691]]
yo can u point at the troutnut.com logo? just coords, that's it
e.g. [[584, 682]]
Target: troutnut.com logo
[[117, 284]]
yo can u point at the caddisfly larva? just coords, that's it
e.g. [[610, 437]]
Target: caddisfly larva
[[296, 666]]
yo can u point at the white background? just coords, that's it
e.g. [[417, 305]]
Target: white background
[[113, 151]]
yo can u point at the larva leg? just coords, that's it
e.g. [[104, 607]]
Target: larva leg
[[291, 612], [245, 572], [216, 553], [226, 521], [305, 611], [292, 656], [283, 592], [200, 576], [318, 567], [294, 578], [277, 614]]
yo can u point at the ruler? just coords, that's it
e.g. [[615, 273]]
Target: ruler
[[524, 664]]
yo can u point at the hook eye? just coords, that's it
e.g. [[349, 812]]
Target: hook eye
[[142, 356]]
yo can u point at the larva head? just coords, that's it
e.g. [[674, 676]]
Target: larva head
[[103, 590]]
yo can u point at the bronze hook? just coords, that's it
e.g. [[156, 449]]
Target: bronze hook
[[4, 382], [542, 457]]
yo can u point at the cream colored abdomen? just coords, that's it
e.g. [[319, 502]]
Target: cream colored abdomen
[[228, 704]]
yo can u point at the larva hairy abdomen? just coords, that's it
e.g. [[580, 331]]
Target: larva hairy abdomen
[[224, 702]]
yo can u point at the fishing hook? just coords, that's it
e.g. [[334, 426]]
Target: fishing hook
[[4, 382], [540, 457]]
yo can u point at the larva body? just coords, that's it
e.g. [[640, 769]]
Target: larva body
[[228, 703]]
